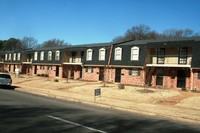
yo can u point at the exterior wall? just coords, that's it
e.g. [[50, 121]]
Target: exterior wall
[[94, 76], [130, 79], [196, 81], [170, 78], [72, 71]]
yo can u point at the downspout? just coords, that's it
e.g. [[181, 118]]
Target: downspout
[[109, 60]]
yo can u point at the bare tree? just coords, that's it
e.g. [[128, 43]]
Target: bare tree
[[54, 43], [29, 42], [178, 33]]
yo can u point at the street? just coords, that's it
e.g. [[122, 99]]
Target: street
[[22, 112]]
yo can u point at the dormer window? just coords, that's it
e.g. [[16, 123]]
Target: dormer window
[[18, 56], [6, 56], [89, 55], [49, 56], [35, 55], [9, 56], [102, 53], [118, 53], [135, 53], [42, 55], [57, 55], [14, 56]]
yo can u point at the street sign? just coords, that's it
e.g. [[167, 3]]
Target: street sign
[[97, 92]]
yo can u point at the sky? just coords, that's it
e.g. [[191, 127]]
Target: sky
[[92, 21]]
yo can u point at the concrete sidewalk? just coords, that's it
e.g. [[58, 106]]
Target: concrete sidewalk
[[111, 99]]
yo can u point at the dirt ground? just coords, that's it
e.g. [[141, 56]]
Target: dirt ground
[[131, 97]]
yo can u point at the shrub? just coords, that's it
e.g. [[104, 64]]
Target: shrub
[[38, 74], [121, 86], [56, 80], [45, 75]]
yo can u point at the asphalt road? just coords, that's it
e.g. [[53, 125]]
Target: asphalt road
[[27, 113]]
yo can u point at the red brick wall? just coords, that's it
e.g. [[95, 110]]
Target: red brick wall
[[94, 76], [196, 81], [130, 79], [170, 78]]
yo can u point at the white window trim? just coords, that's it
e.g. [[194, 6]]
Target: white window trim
[[102, 55], [14, 56], [120, 52], [6, 57], [9, 56], [89, 57], [57, 55], [35, 55], [42, 55], [18, 56], [135, 56], [49, 58]]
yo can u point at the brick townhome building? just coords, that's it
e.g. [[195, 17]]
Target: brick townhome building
[[168, 63]]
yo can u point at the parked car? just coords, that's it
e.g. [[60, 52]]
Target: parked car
[[5, 79]]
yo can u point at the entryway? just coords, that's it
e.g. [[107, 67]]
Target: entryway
[[118, 75], [181, 78], [101, 74]]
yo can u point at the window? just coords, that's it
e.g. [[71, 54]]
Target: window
[[42, 55], [49, 67], [57, 56], [134, 72], [118, 53], [18, 56], [198, 74], [41, 67], [6, 56], [161, 56], [35, 55], [89, 55], [49, 56], [14, 56], [102, 53], [89, 70], [135, 53], [182, 56], [9, 56]]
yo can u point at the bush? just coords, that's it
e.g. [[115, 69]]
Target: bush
[[56, 80], [45, 75], [121, 86], [38, 74]]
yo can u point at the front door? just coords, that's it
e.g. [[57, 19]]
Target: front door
[[72, 73], [57, 71], [101, 74], [35, 69], [181, 78], [118, 75]]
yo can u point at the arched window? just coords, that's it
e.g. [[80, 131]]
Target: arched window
[[42, 55], [49, 56], [102, 53], [135, 53], [57, 55], [14, 56], [35, 55], [18, 56], [118, 53], [89, 55]]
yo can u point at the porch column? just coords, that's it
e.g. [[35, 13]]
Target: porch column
[[192, 79]]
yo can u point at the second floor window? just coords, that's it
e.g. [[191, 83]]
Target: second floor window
[[134, 53], [102, 53], [18, 56], [57, 55], [42, 55], [161, 56], [9, 56], [182, 56], [14, 56], [6, 56], [49, 56], [118, 53], [35, 55], [89, 55]]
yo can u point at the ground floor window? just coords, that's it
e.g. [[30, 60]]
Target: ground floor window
[[134, 72], [89, 70], [198, 74]]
